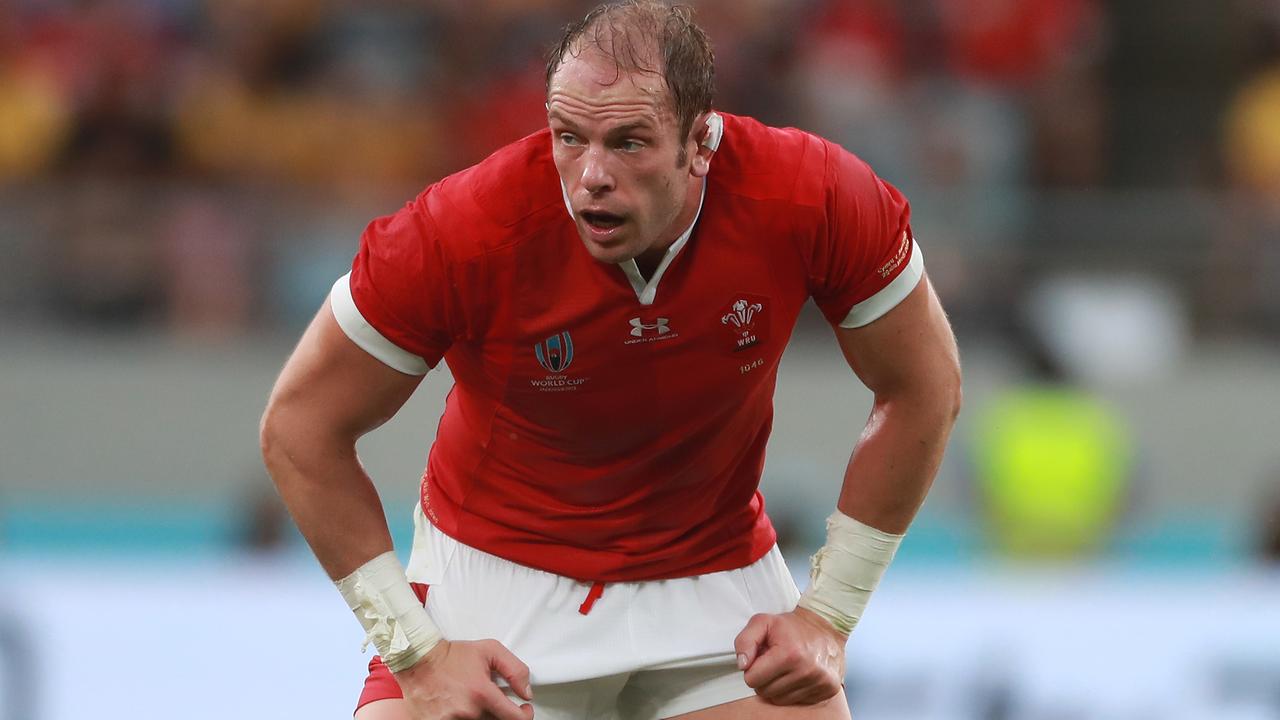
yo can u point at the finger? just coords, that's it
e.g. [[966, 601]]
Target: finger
[[808, 694], [524, 707], [497, 704], [779, 690], [767, 668], [749, 641], [799, 688], [515, 672]]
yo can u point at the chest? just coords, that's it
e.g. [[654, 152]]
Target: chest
[[586, 355]]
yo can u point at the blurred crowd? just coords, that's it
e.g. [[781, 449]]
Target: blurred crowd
[[394, 91], [1096, 184], [205, 165]]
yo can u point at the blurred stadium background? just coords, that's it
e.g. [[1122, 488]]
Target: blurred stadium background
[[1096, 186]]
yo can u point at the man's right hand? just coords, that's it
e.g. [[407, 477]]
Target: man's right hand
[[455, 681]]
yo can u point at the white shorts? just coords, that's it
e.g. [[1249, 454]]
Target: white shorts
[[649, 649]]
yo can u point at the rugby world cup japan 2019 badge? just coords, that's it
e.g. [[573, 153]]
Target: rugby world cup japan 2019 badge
[[555, 354], [746, 321]]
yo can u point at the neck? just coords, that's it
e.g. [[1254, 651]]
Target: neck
[[648, 261]]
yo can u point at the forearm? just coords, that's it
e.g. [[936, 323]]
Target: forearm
[[329, 394], [331, 498], [908, 358], [888, 477], [897, 457]]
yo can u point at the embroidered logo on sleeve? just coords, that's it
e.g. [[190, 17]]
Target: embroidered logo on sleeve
[[903, 249]]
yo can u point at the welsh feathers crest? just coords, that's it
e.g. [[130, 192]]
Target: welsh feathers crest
[[743, 313], [746, 321]]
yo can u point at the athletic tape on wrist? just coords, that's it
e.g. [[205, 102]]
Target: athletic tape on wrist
[[393, 619], [845, 572]]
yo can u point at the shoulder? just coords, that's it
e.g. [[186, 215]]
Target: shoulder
[[761, 162], [512, 194]]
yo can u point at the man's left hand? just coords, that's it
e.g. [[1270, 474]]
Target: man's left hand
[[795, 658]]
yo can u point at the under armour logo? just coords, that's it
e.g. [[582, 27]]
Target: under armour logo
[[638, 328]]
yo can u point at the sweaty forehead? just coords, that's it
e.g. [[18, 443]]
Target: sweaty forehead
[[592, 85]]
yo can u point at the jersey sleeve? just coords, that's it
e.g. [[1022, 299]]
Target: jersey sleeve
[[396, 301], [866, 260]]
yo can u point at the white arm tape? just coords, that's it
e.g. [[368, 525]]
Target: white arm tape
[[393, 619], [847, 569]]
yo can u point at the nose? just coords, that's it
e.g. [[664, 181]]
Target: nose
[[596, 177]]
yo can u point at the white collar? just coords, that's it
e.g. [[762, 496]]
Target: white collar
[[647, 290]]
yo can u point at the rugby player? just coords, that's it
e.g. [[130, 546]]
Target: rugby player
[[613, 295]]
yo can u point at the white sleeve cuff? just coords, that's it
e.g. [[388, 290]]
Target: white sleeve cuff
[[869, 310], [367, 336]]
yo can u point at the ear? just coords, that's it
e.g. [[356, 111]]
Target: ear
[[709, 129]]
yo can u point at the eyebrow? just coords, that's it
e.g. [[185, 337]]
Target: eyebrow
[[556, 115], [631, 127]]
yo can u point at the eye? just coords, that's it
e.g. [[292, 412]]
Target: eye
[[569, 140], [630, 145]]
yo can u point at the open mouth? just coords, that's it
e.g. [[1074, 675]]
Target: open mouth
[[602, 220]]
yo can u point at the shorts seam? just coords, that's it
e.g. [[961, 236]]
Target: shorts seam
[[745, 582]]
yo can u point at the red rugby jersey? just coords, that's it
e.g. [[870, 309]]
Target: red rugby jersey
[[601, 427]]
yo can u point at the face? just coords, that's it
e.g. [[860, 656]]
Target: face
[[617, 147]]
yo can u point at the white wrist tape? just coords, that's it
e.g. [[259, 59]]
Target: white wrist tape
[[847, 569], [393, 618]]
